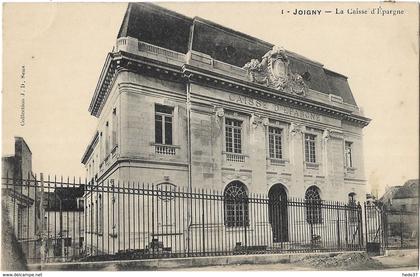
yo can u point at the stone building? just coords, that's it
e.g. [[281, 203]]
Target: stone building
[[19, 197], [402, 198], [63, 223], [186, 102], [402, 206]]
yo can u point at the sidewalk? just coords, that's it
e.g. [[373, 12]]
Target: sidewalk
[[402, 260], [406, 261]]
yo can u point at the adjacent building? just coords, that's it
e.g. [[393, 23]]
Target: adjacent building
[[402, 198], [64, 222], [19, 197], [185, 102], [401, 205]]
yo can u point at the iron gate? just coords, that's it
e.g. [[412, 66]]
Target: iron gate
[[388, 227]]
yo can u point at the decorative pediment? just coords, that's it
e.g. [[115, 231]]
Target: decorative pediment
[[273, 71]]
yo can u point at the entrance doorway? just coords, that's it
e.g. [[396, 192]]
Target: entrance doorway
[[277, 213]]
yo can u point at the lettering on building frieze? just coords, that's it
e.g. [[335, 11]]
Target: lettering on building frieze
[[273, 71], [248, 101], [239, 99]]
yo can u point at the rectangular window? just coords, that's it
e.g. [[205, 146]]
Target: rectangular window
[[100, 215], [348, 154], [114, 128], [310, 148], [94, 217], [107, 139], [163, 124], [80, 204], [274, 141], [101, 146], [233, 136], [19, 222]]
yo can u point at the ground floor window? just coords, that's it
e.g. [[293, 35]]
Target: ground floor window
[[353, 216], [313, 205], [236, 205]]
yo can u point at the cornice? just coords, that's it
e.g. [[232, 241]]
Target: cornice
[[124, 61], [90, 148], [212, 79]]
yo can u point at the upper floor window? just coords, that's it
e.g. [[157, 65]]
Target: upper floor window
[[114, 128], [310, 141], [233, 136], [274, 142], [107, 139], [163, 124], [101, 147], [348, 154]]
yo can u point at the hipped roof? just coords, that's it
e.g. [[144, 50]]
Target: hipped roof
[[164, 28]]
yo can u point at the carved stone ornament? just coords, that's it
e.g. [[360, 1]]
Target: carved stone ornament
[[273, 71], [332, 133], [220, 112], [296, 128], [326, 134], [265, 121], [258, 120]]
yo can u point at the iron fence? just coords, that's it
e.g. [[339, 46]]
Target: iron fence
[[59, 220], [390, 228]]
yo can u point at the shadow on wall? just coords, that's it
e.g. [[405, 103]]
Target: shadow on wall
[[12, 256]]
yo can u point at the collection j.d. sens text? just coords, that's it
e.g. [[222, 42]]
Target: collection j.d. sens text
[[22, 93]]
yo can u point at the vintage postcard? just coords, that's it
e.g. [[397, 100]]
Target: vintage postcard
[[234, 136]]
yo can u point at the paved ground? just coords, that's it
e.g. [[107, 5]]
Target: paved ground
[[406, 261], [403, 262], [267, 267], [280, 267]]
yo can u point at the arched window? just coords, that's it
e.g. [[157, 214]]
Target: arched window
[[313, 205], [236, 205], [352, 207], [352, 199]]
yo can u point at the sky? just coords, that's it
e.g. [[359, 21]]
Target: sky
[[61, 47]]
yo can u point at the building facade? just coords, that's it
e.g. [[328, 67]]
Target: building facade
[[402, 206], [19, 197], [186, 102], [64, 221]]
